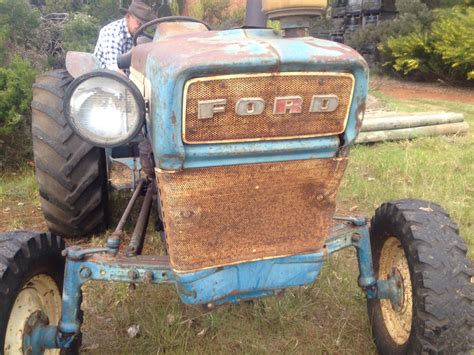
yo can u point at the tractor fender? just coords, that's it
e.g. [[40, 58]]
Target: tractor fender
[[79, 63]]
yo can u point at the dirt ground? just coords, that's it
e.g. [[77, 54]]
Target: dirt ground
[[432, 91]]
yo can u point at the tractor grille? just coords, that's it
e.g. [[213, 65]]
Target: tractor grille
[[229, 214], [228, 126]]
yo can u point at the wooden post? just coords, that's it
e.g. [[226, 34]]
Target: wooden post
[[410, 133], [381, 123]]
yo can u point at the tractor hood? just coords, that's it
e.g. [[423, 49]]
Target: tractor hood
[[173, 58]]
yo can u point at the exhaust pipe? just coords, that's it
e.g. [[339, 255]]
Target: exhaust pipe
[[254, 16]]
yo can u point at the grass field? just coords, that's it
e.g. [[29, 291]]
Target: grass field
[[327, 317]]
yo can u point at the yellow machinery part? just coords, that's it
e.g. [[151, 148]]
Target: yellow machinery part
[[277, 5]]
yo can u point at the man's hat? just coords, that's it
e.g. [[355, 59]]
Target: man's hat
[[140, 10]]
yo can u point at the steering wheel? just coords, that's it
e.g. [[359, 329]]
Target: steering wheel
[[165, 19]]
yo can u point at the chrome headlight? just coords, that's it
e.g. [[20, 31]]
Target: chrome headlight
[[104, 108]]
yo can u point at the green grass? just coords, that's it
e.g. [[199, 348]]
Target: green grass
[[19, 185], [439, 169], [327, 317]]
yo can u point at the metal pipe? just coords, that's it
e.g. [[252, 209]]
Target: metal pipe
[[254, 16], [113, 241], [367, 279], [136, 243]]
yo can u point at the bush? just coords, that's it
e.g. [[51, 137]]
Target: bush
[[443, 49], [16, 82], [18, 30], [104, 10], [412, 15], [423, 43], [80, 34], [58, 6], [453, 40]]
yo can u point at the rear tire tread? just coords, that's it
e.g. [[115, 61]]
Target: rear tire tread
[[71, 173]]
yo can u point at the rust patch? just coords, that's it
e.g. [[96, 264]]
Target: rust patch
[[171, 29], [225, 215], [360, 116]]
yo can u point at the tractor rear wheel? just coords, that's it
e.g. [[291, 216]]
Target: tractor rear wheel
[[419, 243], [31, 279], [71, 173]]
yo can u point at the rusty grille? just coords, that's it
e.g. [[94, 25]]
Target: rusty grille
[[228, 126], [224, 215]]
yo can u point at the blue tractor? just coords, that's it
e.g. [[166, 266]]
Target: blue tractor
[[238, 141]]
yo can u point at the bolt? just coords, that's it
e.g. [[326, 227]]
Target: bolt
[[356, 237], [85, 272], [148, 277], [133, 274], [320, 197], [186, 214]]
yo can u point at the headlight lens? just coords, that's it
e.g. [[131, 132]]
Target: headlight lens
[[104, 108]]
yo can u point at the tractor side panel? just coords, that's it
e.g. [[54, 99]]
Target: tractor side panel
[[225, 215]]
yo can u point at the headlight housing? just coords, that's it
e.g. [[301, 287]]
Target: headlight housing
[[104, 108]]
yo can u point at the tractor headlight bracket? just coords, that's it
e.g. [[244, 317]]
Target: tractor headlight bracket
[[104, 108]]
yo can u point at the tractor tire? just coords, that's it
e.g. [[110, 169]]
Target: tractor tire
[[31, 280], [71, 174], [418, 241]]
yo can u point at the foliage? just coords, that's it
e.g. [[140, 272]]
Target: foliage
[[58, 6], [80, 34], [217, 13], [443, 49], [235, 19], [423, 43], [18, 29], [412, 15], [453, 37], [177, 7], [104, 11], [442, 3], [15, 96]]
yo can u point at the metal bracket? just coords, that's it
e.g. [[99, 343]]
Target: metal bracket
[[76, 254], [354, 220]]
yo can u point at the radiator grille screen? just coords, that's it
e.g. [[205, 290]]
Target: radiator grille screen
[[223, 215], [228, 126]]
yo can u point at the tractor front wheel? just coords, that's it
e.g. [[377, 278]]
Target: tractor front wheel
[[417, 243], [31, 279]]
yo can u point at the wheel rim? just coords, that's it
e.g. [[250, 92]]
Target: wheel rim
[[41, 294], [397, 318]]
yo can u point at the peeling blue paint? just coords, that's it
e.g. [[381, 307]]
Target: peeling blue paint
[[171, 64]]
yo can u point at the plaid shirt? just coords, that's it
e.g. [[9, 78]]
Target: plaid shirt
[[114, 39]]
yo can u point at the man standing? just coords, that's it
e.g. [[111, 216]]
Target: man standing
[[117, 37]]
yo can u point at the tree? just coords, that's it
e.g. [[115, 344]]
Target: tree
[[453, 39], [442, 49], [80, 34], [18, 29], [442, 3]]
